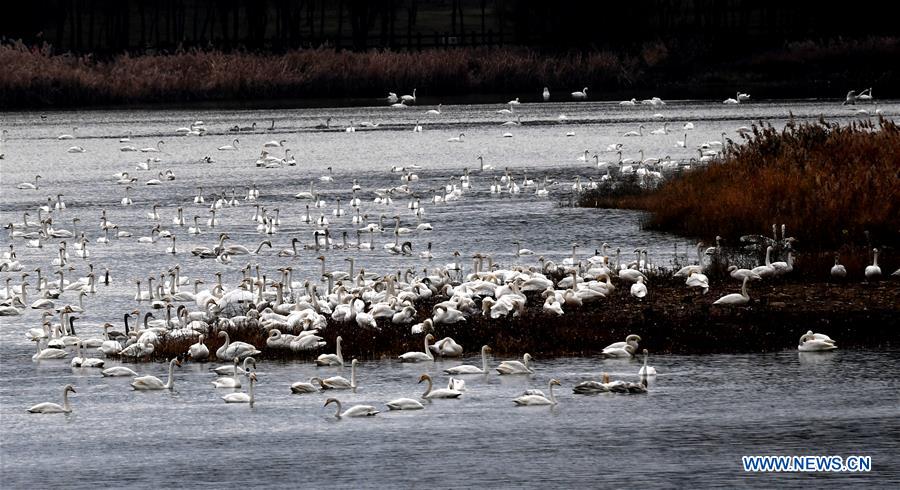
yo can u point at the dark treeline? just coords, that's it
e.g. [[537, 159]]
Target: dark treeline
[[721, 26]]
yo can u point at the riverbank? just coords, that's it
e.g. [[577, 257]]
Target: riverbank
[[36, 76], [671, 319]]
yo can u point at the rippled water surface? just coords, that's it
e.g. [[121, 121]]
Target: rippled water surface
[[702, 412]]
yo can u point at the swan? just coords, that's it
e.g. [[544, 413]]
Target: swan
[[838, 271], [118, 371], [435, 111], [447, 347], [76, 149], [154, 383], [230, 350], [309, 387], [232, 146], [639, 132], [156, 149], [735, 100], [48, 407], [198, 351], [580, 95], [516, 367], [538, 399], [417, 128], [416, 356], [409, 98], [815, 342], [68, 136], [482, 166], [767, 269], [355, 410], [242, 397], [29, 185], [605, 386], [546, 94], [332, 359], [431, 393], [873, 271], [230, 369], [698, 280], [340, 382], [740, 274], [85, 362], [639, 289], [273, 144], [457, 139], [645, 369], [48, 353], [735, 299], [662, 130], [404, 404], [233, 382]]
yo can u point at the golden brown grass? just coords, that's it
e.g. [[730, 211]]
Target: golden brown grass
[[829, 184]]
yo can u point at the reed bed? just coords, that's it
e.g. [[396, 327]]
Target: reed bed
[[835, 187], [35, 76]]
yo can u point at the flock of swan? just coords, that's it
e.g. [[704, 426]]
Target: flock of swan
[[291, 313]]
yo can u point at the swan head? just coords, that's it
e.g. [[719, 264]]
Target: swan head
[[69, 388], [633, 338], [555, 382], [424, 377], [527, 357], [330, 401]]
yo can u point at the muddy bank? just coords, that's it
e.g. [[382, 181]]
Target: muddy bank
[[671, 319]]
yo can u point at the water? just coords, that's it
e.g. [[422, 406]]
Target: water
[[702, 414]]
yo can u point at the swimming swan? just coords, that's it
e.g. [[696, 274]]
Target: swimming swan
[[154, 383], [538, 399], [48, 407], [470, 369]]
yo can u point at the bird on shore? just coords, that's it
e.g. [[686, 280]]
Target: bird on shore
[[873, 271], [815, 342], [735, 299]]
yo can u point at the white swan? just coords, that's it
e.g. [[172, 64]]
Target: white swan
[[538, 399], [301, 387], [735, 299], [639, 289], [242, 397], [470, 369], [154, 383], [340, 382], [546, 94], [431, 393], [231, 147], [48, 407], [230, 350], [639, 132], [815, 342], [838, 271], [457, 139], [873, 271], [447, 347], [416, 356], [580, 95], [404, 404], [29, 185], [516, 367], [355, 410], [645, 369], [198, 351], [435, 111], [118, 371], [332, 359], [233, 382]]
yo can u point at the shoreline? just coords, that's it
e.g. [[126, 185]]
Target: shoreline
[[670, 320]]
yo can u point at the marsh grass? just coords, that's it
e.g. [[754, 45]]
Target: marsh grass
[[835, 187]]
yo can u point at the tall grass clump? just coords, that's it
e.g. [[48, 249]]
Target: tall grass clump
[[36, 76], [831, 185]]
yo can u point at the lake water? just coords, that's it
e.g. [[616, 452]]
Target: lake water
[[702, 412]]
